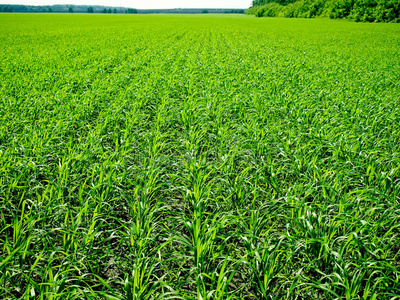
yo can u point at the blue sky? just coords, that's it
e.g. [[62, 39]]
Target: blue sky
[[142, 3]]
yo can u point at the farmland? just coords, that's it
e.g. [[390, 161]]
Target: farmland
[[198, 157]]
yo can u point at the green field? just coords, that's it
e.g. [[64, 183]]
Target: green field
[[198, 157]]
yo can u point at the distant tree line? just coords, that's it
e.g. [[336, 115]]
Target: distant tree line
[[192, 11], [34, 9], [234, 11], [131, 11], [64, 9], [6, 8], [357, 10], [110, 10]]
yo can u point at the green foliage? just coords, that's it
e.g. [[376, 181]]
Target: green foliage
[[173, 157], [234, 11], [131, 11], [90, 9], [263, 2], [376, 11], [357, 10], [6, 8], [298, 9]]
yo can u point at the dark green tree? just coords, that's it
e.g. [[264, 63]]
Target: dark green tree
[[131, 11], [90, 10], [70, 10], [6, 8]]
